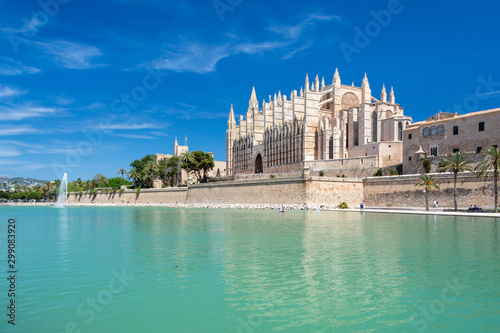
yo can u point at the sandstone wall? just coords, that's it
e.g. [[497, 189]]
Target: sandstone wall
[[256, 191], [165, 195], [326, 190], [400, 191]]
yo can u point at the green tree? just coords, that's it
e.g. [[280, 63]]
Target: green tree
[[455, 162], [116, 182], [136, 177], [426, 163], [122, 171], [101, 179], [188, 162], [168, 170], [490, 167], [428, 184]]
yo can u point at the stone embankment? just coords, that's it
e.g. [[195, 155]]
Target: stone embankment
[[210, 206]]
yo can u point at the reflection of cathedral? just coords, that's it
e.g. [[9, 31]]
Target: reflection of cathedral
[[321, 123]]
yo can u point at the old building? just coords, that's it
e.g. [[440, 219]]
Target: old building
[[219, 169], [445, 133], [322, 124]]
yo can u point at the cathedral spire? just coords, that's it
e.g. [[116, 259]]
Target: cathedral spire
[[383, 94], [231, 120], [392, 98], [301, 92], [365, 84], [322, 82], [253, 103], [336, 78], [307, 82], [280, 100], [316, 83], [366, 91]]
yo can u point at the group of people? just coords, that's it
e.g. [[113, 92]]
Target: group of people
[[473, 207]]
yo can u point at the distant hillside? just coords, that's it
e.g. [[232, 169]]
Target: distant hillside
[[21, 181]]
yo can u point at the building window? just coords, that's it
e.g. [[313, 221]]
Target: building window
[[409, 158], [409, 136], [374, 127], [456, 150], [481, 126], [434, 151], [478, 149], [440, 130], [455, 130], [400, 131], [389, 158], [433, 130], [425, 132]]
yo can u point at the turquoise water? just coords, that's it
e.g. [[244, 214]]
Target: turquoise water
[[195, 270]]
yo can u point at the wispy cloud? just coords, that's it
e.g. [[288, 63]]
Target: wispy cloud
[[135, 136], [11, 67], [197, 57], [20, 112], [294, 32], [72, 55], [131, 126], [6, 91], [6, 151], [17, 130]]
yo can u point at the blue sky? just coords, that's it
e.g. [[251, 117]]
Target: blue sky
[[88, 86]]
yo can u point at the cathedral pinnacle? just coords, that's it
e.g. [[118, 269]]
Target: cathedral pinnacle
[[383, 94], [307, 82], [392, 98], [322, 82], [253, 103], [336, 77], [231, 119], [365, 84]]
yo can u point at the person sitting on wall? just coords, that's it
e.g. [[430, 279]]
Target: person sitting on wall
[[362, 206]]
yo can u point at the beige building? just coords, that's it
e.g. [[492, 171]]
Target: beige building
[[321, 126], [219, 169], [445, 133]]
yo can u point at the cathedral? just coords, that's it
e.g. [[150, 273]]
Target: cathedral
[[322, 127]]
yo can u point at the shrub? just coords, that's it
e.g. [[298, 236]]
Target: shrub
[[272, 176], [121, 190], [137, 191], [338, 176], [427, 164], [378, 173], [80, 193], [343, 205], [393, 172], [321, 173], [343, 176]]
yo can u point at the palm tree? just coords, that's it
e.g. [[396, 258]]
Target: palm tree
[[122, 171], [100, 179], [490, 167], [186, 158], [455, 162], [79, 183], [152, 170], [429, 184], [134, 175]]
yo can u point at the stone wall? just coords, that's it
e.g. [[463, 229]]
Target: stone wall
[[400, 191], [312, 191], [165, 195]]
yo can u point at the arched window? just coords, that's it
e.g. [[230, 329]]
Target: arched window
[[374, 127], [433, 130], [440, 130], [425, 132], [400, 131]]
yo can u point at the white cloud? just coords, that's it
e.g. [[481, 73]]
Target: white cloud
[[72, 55], [131, 126], [6, 91], [8, 151], [18, 130], [294, 32], [19, 112], [11, 68], [202, 58], [135, 136]]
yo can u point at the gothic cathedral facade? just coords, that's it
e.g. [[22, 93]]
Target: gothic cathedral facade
[[321, 124]]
